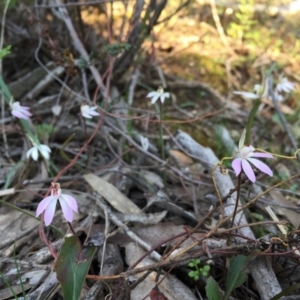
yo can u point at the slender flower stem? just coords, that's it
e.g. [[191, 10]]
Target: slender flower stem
[[236, 204], [237, 198], [71, 228], [161, 140], [86, 138], [45, 240]]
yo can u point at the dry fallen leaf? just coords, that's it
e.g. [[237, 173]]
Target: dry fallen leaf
[[116, 199], [157, 295]]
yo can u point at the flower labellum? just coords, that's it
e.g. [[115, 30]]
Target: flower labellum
[[47, 205], [160, 94], [21, 112]]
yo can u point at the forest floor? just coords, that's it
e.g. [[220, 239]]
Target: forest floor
[[155, 204]]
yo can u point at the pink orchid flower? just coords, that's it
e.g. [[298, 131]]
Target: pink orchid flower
[[245, 156], [21, 112], [48, 205]]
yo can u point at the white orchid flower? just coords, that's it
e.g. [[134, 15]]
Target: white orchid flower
[[160, 94]]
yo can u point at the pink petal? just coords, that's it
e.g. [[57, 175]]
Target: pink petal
[[67, 211], [49, 212], [19, 115], [237, 166], [70, 201], [261, 154], [67, 204], [248, 170], [43, 204], [261, 166], [25, 111]]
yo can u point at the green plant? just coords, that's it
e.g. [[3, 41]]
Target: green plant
[[197, 272], [235, 278], [244, 19], [5, 51], [116, 49]]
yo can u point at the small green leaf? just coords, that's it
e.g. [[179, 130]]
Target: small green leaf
[[206, 268], [72, 266], [212, 290], [257, 216], [5, 51], [204, 273], [236, 276], [191, 274]]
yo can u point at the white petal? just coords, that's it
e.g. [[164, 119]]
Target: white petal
[[154, 99], [152, 94], [28, 153], [45, 150], [247, 95], [56, 109], [145, 143]]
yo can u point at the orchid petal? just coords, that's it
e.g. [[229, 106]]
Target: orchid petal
[[88, 112], [262, 154], [49, 211], [87, 116], [155, 98], [248, 170], [285, 85], [66, 209], [93, 113], [34, 153], [261, 166], [237, 166], [247, 95], [19, 115], [144, 142], [164, 96], [152, 94], [28, 153], [43, 204], [70, 201], [45, 150]]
